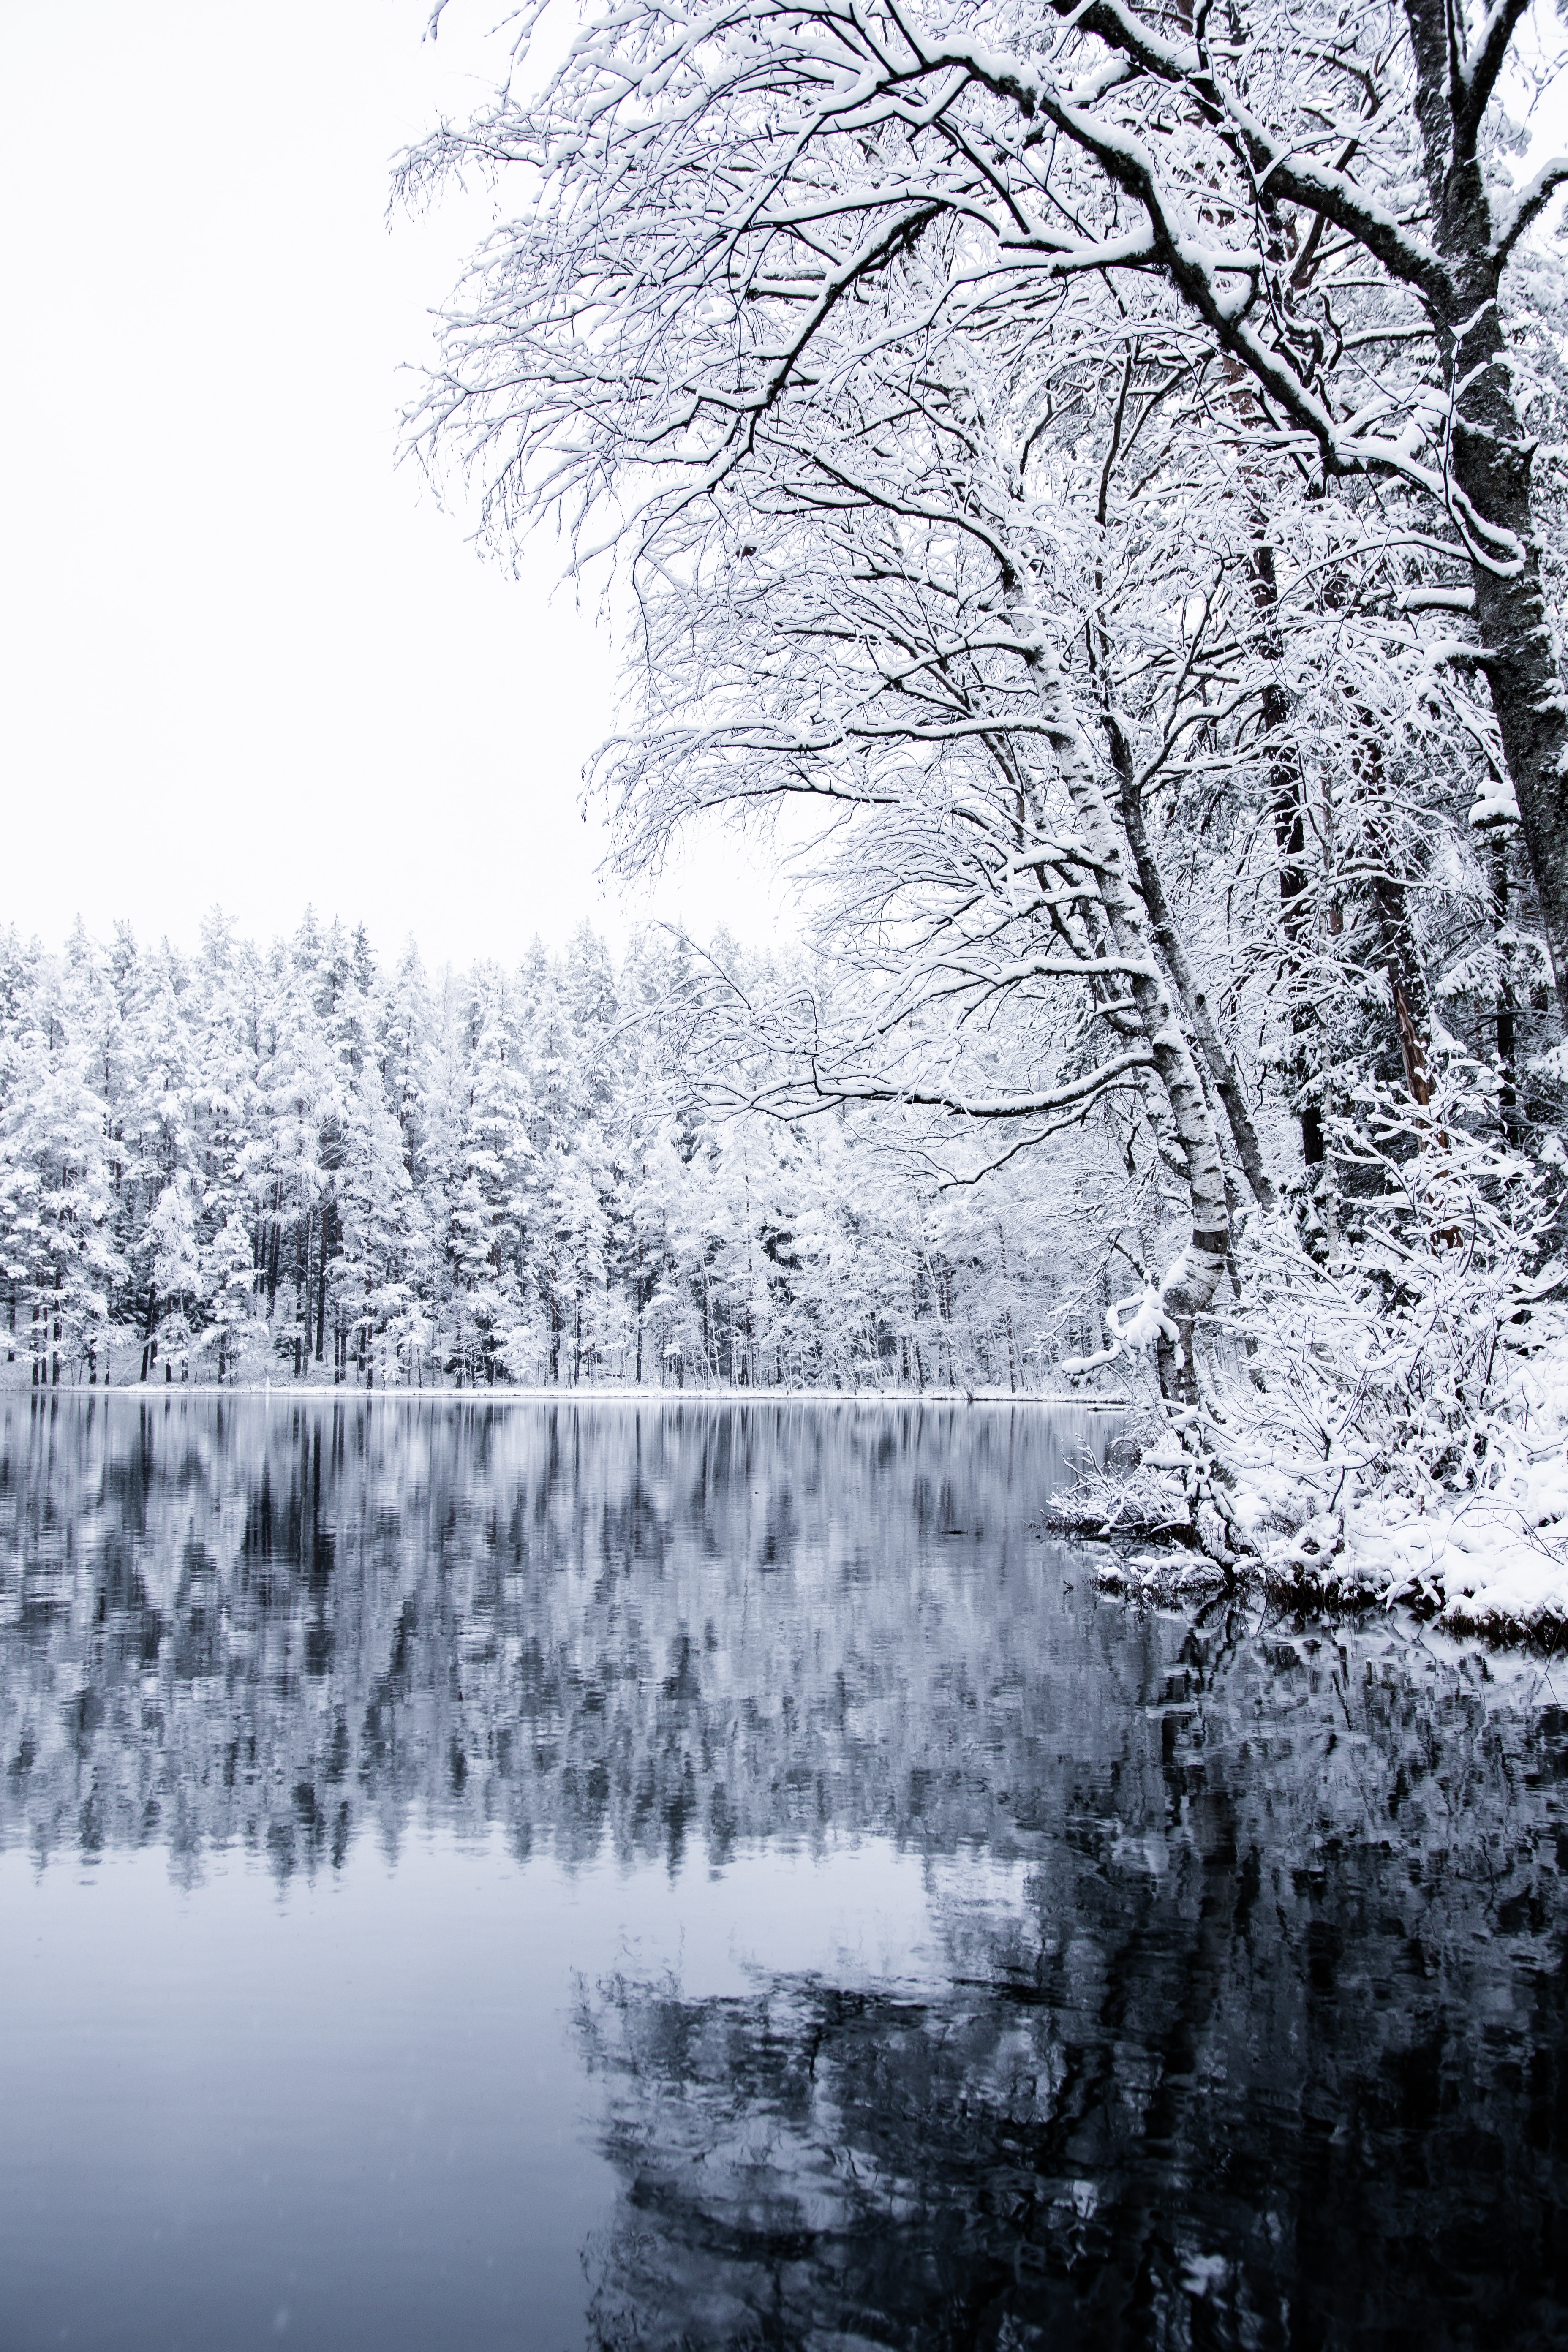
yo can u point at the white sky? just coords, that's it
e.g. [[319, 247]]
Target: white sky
[[242, 659]]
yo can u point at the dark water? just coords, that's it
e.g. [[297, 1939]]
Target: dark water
[[711, 1878]]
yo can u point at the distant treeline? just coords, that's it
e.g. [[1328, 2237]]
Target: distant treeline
[[296, 1162]]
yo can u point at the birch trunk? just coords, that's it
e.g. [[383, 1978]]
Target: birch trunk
[[1189, 1283], [1173, 950]]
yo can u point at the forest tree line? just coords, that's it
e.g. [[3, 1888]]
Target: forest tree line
[[297, 1163]]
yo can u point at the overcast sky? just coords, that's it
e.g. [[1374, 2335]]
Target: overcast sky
[[243, 659], [247, 661]]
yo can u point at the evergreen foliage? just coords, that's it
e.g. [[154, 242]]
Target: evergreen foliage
[[297, 1164]]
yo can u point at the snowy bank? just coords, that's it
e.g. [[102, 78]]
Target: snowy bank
[[1379, 1424], [1494, 1562], [1491, 1558], [1496, 1565]]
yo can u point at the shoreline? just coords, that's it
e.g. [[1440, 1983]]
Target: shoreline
[[1510, 1593], [1469, 1572], [513, 1393]]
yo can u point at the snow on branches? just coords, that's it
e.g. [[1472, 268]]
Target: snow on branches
[[1073, 473]]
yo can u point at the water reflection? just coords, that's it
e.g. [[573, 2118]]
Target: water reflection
[[231, 1624], [1244, 2022], [1272, 2054]]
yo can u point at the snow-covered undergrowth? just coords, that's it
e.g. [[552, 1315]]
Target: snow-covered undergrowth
[[1385, 1420], [1482, 1542]]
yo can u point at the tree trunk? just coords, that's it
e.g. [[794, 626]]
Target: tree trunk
[[1507, 997], [321, 1288], [1406, 983], [1492, 463], [1390, 899], [1191, 1280], [1492, 459], [1288, 799], [1173, 955]]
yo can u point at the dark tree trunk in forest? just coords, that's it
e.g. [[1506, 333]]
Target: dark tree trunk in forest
[[304, 1246], [1493, 454], [1287, 802], [327, 1220], [1522, 672], [1396, 932], [1406, 983], [1507, 999]]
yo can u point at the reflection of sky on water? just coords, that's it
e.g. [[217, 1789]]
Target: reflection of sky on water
[[534, 1878], [360, 2099]]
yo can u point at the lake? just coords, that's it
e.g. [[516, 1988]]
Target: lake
[[588, 1874]]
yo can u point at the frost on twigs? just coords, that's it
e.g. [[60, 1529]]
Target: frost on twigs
[[1413, 1399], [1390, 1427], [1170, 1491], [1162, 1577], [1139, 1500]]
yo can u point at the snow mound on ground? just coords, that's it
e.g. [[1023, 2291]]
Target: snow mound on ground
[[1494, 1559], [1490, 1558], [1496, 1562]]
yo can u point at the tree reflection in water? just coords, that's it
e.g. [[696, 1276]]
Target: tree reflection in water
[[1272, 2053], [1278, 2058]]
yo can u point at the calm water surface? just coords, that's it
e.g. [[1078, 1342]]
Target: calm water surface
[[563, 1877]]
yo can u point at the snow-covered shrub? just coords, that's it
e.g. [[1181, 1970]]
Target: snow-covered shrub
[[1137, 1498], [1387, 1416], [1414, 1370]]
